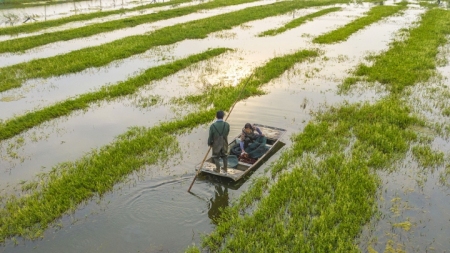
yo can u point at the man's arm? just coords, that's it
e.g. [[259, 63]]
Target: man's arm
[[210, 136], [259, 131]]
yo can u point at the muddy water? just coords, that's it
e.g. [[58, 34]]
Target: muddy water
[[152, 212]]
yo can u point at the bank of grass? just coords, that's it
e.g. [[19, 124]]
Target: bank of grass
[[22, 123], [22, 44], [13, 76], [374, 15], [69, 184], [37, 26], [418, 52], [298, 21]]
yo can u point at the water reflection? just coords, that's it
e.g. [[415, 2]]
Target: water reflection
[[218, 202]]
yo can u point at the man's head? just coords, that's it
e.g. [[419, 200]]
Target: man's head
[[248, 128], [220, 114]]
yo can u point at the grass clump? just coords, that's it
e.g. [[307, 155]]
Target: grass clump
[[22, 123], [34, 27], [13, 76], [22, 44], [69, 184], [426, 157], [412, 60], [374, 15], [298, 21]]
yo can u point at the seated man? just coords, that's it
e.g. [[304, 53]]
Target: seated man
[[251, 142]]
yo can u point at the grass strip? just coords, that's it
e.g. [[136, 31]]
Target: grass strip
[[374, 15], [322, 204], [22, 44], [69, 184], [418, 52], [298, 21], [13, 76], [33, 27], [22, 123]]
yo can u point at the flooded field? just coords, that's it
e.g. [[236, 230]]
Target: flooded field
[[149, 210]]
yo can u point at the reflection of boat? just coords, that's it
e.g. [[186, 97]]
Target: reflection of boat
[[273, 136]]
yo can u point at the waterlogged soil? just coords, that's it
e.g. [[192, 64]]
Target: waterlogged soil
[[152, 211]]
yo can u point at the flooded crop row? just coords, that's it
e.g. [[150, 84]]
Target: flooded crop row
[[149, 140]]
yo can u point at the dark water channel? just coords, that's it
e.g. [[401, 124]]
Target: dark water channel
[[152, 211]]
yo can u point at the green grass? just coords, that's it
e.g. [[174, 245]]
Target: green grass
[[13, 76], [22, 123], [426, 157], [418, 53], [298, 21], [374, 15], [69, 184], [37, 26], [22, 44]]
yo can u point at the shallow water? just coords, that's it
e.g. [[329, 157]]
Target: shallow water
[[152, 212]]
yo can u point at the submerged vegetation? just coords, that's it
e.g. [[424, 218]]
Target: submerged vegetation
[[374, 15]]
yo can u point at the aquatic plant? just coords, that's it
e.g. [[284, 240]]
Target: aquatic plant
[[298, 21], [374, 15], [13, 76], [22, 123]]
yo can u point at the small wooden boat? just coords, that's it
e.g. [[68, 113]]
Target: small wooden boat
[[273, 135]]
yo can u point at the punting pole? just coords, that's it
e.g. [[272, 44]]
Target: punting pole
[[209, 149]]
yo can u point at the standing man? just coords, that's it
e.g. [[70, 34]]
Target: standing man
[[218, 141]]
